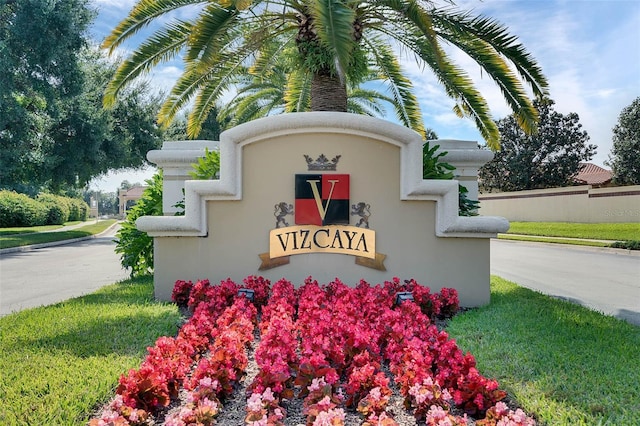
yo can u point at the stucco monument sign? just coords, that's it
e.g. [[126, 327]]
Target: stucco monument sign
[[324, 195]]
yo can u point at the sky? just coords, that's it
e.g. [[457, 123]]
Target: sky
[[589, 50]]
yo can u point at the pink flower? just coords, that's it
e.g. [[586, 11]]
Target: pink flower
[[501, 409], [317, 384], [324, 403], [326, 418], [375, 393], [254, 403], [267, 395], [437, 413], [206, 402]]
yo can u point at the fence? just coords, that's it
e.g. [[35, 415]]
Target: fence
[[583, 204]]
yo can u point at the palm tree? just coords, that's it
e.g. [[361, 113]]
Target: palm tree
[[334, 40], [267, 88]]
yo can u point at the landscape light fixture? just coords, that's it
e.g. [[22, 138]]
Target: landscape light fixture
[[246, 292], [403, 296]]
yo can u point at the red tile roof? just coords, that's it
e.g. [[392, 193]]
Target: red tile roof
[[590, 174]]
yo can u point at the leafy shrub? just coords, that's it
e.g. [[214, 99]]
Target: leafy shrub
[[58, 208], [20, 210], [629, 245], [136, 247], [207, 167], [78, 209], [433, 167]]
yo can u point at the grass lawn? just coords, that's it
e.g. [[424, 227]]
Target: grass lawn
[[28, 236], [32, 229], [59, 363], [563, 363], [596, 231]]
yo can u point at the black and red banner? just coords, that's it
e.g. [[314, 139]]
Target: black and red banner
[[322, 199]]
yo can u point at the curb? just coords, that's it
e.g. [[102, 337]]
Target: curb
[[611, 250], [31, 247]]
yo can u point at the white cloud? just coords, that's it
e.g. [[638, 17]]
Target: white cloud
[[163, 77], [120, 4]]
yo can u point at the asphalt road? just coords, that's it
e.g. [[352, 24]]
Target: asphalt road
[[605, 280], [49, 275]]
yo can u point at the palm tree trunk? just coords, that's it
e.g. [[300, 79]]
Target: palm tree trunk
[[328, 93]]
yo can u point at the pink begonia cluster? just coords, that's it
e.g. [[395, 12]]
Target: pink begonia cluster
[[263, 409], [501, 415], [117, 413], [438, 416], [330, 417], [218, 330], [311, 337]]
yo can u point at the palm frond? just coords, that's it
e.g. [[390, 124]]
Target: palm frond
[[405, 103], [210, 32], [480, 38], [162, 46], [458, 86], [411, 11], [142, 14], [213, 83], [254, 101], [366, 102], [334, 23], [524, 62], [183, 91], [512, 90], [272, 54], [297, 95]]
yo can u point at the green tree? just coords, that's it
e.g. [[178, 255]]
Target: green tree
[[54, 131], [40, 41], [550, 158], [89, 140], [125, 184], [335, 41], [624, 159]]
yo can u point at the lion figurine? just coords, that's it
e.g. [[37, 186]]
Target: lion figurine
[[364, 211], [282, 209]]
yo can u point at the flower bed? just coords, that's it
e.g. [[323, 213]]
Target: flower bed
[[339, 350]]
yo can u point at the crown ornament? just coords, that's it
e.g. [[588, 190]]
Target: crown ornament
[[322, 163]]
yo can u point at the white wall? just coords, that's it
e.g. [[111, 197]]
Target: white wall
[[582, 204]]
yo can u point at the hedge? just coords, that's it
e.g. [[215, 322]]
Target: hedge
[[47, 209], [59, 208]]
